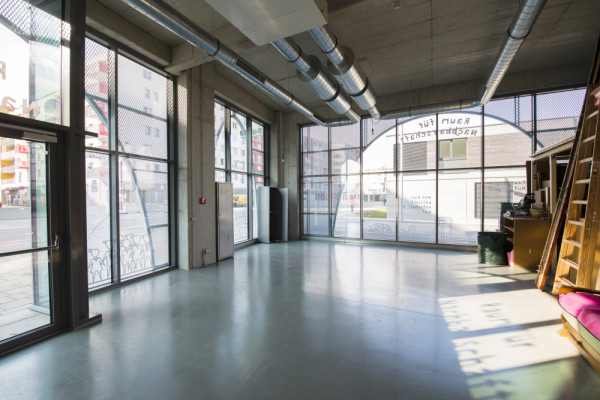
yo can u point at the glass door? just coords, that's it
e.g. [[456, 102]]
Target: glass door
[[29, 256]]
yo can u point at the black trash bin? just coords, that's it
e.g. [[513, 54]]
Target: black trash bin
[[491, 248]]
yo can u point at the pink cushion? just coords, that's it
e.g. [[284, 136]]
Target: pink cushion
[[573, 303], [590, 319]]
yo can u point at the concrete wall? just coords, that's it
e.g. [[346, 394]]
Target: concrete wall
[[196, 91]]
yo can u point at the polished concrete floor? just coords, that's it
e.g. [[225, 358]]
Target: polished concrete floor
[[315, 320]]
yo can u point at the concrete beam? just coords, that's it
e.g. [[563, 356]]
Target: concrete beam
[[185, 56], [242, 99], [113, 25]]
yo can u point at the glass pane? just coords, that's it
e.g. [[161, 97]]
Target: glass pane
[[30, 61], [416, 209], [239, 145], [97, 64], [380, 154], [220, 176], [345, 161], [314, 138], [379, 210], [458, 222], [258, 181], [97, 189], [344, 137], [143, 215], [345, 206], [25, 289], [258, 162], [557, 115], [219, 136], [315, 163], [258, 136], [142, 110], [502, 185], [315, 206], [459, 135], [240, 207], [505, 143], [416, 147], [374, 129]]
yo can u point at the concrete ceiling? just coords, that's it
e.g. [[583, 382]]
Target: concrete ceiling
[[422, 52]]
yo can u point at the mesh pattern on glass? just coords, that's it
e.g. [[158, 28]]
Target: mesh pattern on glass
[[98, 219], [142, 135], [315, 163], [345, 161], [258, 136], [220, 176], [315, 193], [380, 154], [141, 90], [160, 246], [258, 162], [143, 203], [379, 207], [503, 132], [315, 138], [343, 137], [373, 129], [558, 115], [238, 142], [97, 65], [240, 207], [219, 136], [416, 208], [345, 206], [31, 38], [31, 23], [316, 224]]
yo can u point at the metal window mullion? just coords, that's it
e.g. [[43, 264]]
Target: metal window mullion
[[113, 97], [437, 178], [249, 177], [171, 168], [329, 184], [482, 203], [227, 124], [396, 174], [361, 153], [534, 117]]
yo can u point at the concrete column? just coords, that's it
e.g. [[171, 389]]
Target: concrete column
[[195, 169]]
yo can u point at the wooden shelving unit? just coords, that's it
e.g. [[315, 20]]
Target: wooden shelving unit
[[528, 236]]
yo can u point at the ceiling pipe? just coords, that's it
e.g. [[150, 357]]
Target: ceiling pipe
[[528, 13], [520, 27], [168, 17], [342, 66], [310, 71]]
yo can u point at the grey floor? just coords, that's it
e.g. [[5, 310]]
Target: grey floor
[[315, 320]]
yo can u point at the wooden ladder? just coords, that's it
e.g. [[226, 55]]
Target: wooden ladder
[[576, 259]]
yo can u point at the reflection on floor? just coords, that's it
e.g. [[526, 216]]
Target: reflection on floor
[[315, 320]]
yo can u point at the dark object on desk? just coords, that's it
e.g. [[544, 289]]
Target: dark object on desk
[[523, 206]]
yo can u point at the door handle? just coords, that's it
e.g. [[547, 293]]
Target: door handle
[[53, 246]]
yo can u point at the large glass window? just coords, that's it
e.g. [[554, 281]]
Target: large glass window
[[128, 169], [30, 60], [241, 158], [426, 179]]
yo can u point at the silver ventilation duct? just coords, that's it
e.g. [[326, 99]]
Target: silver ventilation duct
[[187, 30], [311, 72], [341, 65], [518, 31]]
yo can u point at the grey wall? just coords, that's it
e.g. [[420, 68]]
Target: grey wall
[[196, 91]]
